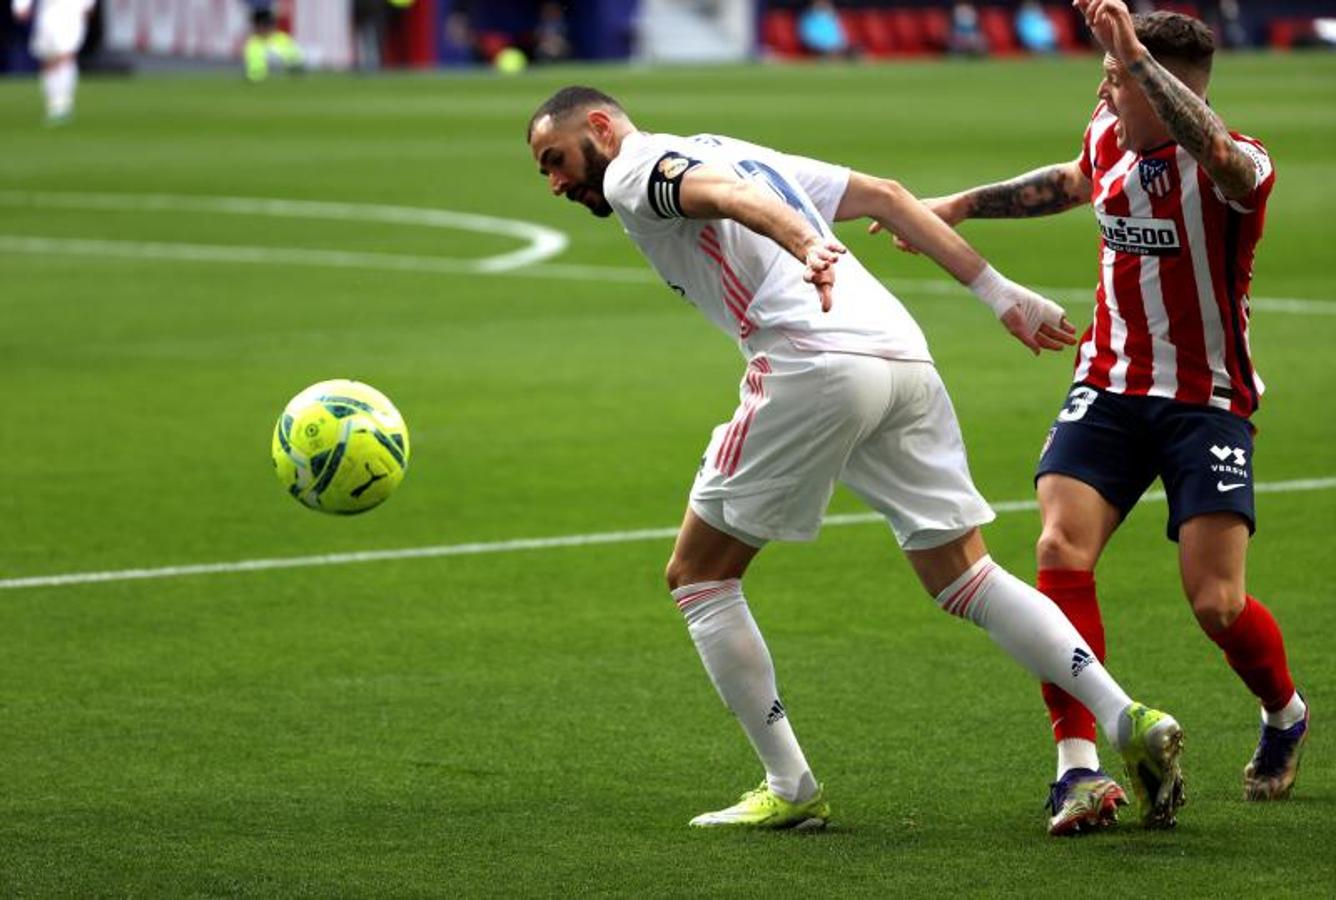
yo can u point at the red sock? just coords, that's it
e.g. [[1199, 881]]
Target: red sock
[[1256, 651], [1073, 590]]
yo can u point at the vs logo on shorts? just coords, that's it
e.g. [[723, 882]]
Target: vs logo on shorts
[[1224, 453], [1155, 177], [1231, 462]]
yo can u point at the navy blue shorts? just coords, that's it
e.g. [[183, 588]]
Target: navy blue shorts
[[1118, 445]]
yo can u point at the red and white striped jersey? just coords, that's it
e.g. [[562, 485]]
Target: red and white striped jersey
[[743, 282], [1171, 309]]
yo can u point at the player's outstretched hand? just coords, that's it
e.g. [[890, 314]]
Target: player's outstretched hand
[[821, 258], [1111, 23], [945, 208], [1035, 321]]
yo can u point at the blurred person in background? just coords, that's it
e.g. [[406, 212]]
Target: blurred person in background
[[551, 38], [58, 32], [461, 41], [268, 45], [821, 31], [368, 33], [1035, 29], [966, 36], [1227, 21]]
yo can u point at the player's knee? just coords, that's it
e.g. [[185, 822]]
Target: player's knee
[[1058, 548], [684, 570], [677, 573], [1216, 605]]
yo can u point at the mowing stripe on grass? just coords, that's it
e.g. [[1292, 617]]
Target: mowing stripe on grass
[[496, 265], [513, 546]]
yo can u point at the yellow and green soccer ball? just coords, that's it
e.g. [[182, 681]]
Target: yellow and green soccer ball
[[340, 447]]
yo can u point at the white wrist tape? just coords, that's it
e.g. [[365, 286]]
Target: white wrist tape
[[995, 290]]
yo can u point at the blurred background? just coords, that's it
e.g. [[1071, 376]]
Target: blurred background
[[367, 35]]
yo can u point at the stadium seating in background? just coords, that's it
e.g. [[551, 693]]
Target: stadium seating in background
[[1068, 29], [779, 33], [853, 29], [936, 27], [1286, 34], [998, 31], [490, 43], [875, 31], [890, 32]]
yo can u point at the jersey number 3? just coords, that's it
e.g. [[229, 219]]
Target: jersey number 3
[[1078, 401]]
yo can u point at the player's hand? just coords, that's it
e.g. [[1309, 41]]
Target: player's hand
[[1039, 323], [945, 208], [23, 17], [1111, 23], [1034, 320], [820, 258]]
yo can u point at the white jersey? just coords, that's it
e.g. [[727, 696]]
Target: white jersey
[[744, 282], [58, 26], [54, 7]]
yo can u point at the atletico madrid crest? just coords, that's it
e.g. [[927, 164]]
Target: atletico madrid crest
[[1155, 177]]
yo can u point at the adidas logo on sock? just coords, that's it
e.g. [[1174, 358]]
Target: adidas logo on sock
[[1080, 659], [776, 713]]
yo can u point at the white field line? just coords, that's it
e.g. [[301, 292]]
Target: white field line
[[497, 265], [512, 546], [219, 253], [542, 242]]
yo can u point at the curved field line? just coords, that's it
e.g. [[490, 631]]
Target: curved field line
[[542, 242]]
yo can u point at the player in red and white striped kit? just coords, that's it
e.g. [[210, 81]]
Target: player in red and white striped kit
[[1164, 381]]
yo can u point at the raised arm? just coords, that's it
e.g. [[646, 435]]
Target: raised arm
[[1035, 321], [716, 192], [1192, 124]]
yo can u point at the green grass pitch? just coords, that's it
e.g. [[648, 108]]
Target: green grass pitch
[[535, 722]]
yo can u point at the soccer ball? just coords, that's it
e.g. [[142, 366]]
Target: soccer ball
[[340, 447]]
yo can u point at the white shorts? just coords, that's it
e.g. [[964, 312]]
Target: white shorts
[[885, 428], [58, 30]]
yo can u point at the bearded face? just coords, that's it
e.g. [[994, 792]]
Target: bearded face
[[572, 163], [589, 189]]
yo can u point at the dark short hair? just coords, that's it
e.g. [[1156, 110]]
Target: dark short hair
[[1171, 36], [570, 99]]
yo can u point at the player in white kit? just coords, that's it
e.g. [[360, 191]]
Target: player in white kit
[[839, 385], [57, 34]]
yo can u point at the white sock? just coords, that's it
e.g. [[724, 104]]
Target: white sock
[[1288, 715], [738, 662], [1077, 753], [49, 79], [58, 84], [1035, 633]]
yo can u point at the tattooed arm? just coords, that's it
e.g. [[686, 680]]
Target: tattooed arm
[[1192, 124], [1043, 192], [1051, 189]]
